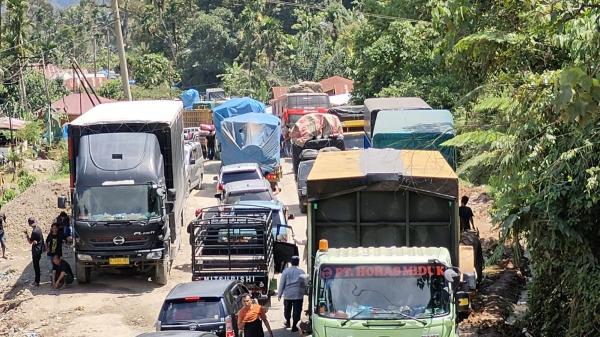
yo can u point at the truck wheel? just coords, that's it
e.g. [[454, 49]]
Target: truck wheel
[[161, 271], [84, 274]]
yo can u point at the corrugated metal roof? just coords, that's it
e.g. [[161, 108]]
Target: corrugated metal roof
[[131, 112], [400, 255], [396, 103]]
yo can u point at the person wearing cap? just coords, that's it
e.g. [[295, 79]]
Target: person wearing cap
[[36, 240], [2, 239], [292, 286]]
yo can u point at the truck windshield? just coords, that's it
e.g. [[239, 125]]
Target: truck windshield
[[308, 101], [382, 291], [110, 203]]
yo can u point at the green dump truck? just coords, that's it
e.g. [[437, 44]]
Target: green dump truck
[[383, 237]]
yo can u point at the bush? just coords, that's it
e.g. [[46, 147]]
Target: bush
[[112, 89], [9, 194], [63, 159], [25, 180]]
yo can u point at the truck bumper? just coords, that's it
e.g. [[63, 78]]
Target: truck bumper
[[127, 259]]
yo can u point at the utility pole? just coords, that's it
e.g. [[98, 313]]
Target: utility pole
[[107, 54], [48, 119], [95, 66], [121, 50]]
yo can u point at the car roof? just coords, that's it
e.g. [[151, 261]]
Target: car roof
[[206, 288], [175, 333], [248, 185], [239, 167]]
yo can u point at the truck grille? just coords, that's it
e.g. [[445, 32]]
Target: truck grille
[[107, 241]]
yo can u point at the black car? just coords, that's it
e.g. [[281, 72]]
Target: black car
[[209, 305], [177, 334]]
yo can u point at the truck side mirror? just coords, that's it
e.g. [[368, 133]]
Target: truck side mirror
[[169, 207], [171, 194]]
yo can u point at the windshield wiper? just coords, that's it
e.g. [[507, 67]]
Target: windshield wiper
[[403, 315], [353, 317]]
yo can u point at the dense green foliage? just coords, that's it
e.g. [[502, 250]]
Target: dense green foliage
[[522, 78]]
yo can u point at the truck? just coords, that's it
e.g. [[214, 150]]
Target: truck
[[315, 131], [383, 242], [239, 242], [127, 187], [415, 130], [374, 105], [253, 138]]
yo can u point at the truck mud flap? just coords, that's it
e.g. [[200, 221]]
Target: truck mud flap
[[172, 227]]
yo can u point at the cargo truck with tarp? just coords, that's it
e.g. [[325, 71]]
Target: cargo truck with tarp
[[315, 131], [383, 242], [253, 138], [374, 105], [415, 130], [127, 187]]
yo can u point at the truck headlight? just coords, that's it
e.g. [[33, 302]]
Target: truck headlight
[[84, 257], [154, 255]]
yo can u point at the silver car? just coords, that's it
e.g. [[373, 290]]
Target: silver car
[[194, 165], [247, 190]]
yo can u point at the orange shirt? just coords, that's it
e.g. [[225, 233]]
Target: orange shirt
[[247, 315]]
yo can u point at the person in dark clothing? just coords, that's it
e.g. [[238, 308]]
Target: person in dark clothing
[[2, 239], [64, 223], [54, 243], [210, 145], [36, 240], [466, 215], [61, 272]]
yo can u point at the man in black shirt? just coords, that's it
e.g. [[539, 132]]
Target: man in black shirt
[[61, 272], [36, 240], [2, 239], [210, 145], [54, 243], [466, 215]]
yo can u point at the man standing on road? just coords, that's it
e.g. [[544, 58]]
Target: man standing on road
[[292, 288], [466, 215], [61, 272], [2, 239], [36, 240], [210, 145]]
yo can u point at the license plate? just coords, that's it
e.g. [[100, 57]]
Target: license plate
[[118, 260], [463, 302]]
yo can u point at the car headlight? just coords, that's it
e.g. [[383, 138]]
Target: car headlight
[[84, 257], [154, 255]]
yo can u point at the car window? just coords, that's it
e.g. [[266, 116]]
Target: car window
[[249, 196], [203, 310], [230, 177]]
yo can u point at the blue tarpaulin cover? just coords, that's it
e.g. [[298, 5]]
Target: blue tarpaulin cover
[[251, 138], [235, 107], [189, 98]]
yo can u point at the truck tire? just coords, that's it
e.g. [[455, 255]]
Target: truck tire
[[84, 274], [161, 271]]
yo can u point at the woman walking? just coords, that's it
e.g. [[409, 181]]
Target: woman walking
[[251, 317]]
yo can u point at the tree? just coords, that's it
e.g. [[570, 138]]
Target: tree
[[151, 70]]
